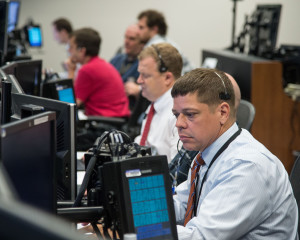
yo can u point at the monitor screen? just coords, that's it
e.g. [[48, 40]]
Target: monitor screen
[[34, 34], [59, 89], [13, 15], [66, 137], [143, 196], [28, 155], [66, 95], [149, 206], [3, 29], [28, 73]]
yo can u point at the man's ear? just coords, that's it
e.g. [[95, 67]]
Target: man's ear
[[83, 50], [154, 29], [224, 112], [169, 78]]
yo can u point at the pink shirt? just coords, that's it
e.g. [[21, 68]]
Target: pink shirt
[[100, 87]]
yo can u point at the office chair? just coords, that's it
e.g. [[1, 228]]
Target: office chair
[[89, 129], [245, 114], [295, 182]]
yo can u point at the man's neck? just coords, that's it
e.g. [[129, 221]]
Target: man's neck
[[86, 59]]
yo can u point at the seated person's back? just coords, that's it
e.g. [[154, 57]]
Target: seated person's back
[[98, 85]]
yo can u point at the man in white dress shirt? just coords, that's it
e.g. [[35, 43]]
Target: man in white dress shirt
[[159, 66], [241, 190]]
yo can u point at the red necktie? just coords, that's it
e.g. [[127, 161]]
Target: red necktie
[[147, 125], [190, 206]]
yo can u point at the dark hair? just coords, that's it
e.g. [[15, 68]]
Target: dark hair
[[89, 39], [155, 18], [63, 24], [169, 54], [208, 84]]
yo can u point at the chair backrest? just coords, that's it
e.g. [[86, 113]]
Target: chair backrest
[[295, 182], [245, 114]]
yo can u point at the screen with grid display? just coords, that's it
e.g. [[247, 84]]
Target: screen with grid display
[[149, 207]]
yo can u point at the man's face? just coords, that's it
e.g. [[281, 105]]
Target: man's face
[[132, 42], [56, 34], [76, 54], [198, 126], [60, 36], [145, 32], [150, 79]]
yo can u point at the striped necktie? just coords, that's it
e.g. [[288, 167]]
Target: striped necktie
[[190, 206], [147, 125]]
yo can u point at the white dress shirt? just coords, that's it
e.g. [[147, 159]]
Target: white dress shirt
[[163, 135], [246, 195]]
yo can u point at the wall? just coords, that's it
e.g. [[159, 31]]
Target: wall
[[193, 24]]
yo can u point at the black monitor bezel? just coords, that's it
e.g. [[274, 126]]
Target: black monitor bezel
[[11, 68], [27, 33], [65, 115], [49, 88], [3, 29], [116, 182], [29, 123]]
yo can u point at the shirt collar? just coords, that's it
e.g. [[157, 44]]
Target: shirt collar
[[211, 150], [163, 101]]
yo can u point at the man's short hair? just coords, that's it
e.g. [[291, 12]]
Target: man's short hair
[[208, 84], [63, 24], [89, 39], [155, 18], [169, 55]]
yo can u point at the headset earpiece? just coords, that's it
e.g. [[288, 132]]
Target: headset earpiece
[[162, 67], [223, 95]]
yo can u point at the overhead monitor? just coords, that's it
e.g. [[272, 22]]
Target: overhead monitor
[[34, 36], [263, 29], [13, 15], [28, 73], [24, 105], [140, 197], [28, 149]]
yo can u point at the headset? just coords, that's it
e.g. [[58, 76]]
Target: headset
[[223, 95], [162, 67]]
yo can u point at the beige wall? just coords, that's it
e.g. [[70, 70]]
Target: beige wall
[[194, 24]]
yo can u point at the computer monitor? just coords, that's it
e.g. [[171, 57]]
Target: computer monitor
[[5, 102], [28, 73], [139, 197], [3, 29], [34, 36], [66, 137], [20, 221], [8, 84], [263, 29], [59, 89], [13, 15], [28, 149]]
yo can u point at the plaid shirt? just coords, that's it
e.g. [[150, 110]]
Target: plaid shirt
[[180, 166]]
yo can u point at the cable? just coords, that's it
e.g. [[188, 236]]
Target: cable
[[89, 170]]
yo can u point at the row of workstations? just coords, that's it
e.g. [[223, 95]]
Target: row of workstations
[[38, 153]]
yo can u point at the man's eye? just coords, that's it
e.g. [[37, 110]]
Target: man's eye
[[176, 115], [190, 115]]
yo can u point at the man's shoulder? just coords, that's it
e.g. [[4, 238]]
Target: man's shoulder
[[119, 57]]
